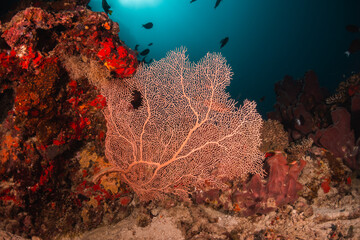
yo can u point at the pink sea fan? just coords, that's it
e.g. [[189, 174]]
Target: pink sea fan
[[184, 132]]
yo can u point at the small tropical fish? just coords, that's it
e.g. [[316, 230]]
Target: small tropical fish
[[217, 3], [192, 1], [224, 41], [352, 28], [106, 7], [136, 47], [145, 52], [137, 99], [148, 25], [299, 121], [354, 47], [150, 44]]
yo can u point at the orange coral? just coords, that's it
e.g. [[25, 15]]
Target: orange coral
[[8, 148]]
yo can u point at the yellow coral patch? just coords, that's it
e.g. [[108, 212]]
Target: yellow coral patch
[[86, 157], [93, 202], [92, 164], [85, 215], [110, 184], [108, 65], [106, 26]]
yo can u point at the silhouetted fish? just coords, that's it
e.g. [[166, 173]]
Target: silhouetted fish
[[192, 1], [137, 100], [145, 52], [136, 47], [352, 28], [217, 3], [224, 41], [147, 62], [148, 25], [150, 44], [106, 7], [354, 47]]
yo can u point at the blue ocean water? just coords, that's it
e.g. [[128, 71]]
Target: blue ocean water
[[267, 39]]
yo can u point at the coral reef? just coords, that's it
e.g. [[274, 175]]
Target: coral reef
[[52, 144], [305, 112], [185, 134], [344, 145], [331, 215], [273, 136], [281, 187], [12, 8], [50, 115], [300, 105], [259, 195], [298, 149], [346, 89]]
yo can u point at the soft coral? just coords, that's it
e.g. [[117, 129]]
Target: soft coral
[[281, 187]]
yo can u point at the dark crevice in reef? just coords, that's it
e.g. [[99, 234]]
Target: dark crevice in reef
[[6, 103], [46, 41]]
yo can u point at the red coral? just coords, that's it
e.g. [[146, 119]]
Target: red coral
[[325, 185], [106, 50], [120, 61], [7, 58], [99, 102], [58, 142], [124, 201], [78, 127], [44, 178], [122, 52], [88, 189], [353, 90], [281, 187], [344, 146], [6, 196], [348, 181]]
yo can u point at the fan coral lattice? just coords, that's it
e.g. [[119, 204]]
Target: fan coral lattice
[[184, 133]]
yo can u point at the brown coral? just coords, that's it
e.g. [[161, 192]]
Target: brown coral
[[345, 90], [298, 149], [273, 136]]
